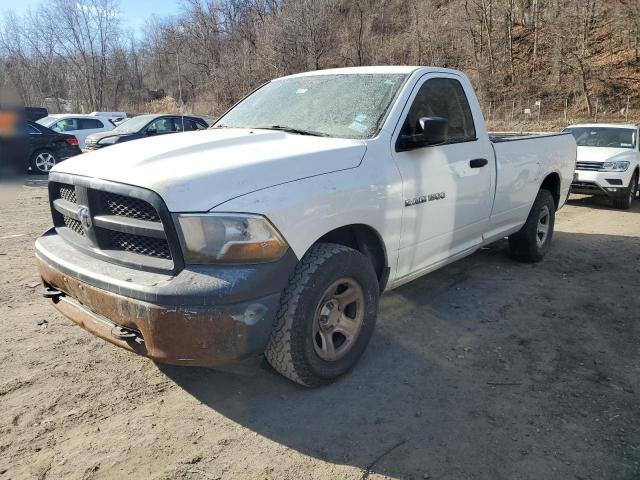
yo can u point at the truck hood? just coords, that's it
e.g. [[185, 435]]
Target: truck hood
[[603, 154], [195, 171]]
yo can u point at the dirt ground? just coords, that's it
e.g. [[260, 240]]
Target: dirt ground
[[486, 369]]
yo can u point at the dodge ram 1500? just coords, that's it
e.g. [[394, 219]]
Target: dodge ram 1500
[[275, 231]]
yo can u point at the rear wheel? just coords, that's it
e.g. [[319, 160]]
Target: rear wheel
[[624, 203], [327, 315], [43, 161], [531, 243]]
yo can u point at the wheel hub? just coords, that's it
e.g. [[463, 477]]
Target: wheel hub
[[330, 315], [542, 230], [338, 319]]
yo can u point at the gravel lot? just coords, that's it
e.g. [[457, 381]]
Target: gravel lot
[[486, 369]]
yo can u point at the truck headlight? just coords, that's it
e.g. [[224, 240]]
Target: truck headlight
[[229, 238], [614, 167], [108, 140]]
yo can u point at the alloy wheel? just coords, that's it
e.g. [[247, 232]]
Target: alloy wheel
[[45, 161]]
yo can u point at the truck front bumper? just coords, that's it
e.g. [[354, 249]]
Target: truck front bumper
[[203, 316], [610, 184]]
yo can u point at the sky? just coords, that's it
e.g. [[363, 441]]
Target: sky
[[134, 13]]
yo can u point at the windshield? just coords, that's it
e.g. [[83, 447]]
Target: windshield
[[604, 137], [132, 125], [347, 106]]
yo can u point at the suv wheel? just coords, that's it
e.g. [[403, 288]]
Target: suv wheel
[[624, 203], [531, 243], [327, 315]]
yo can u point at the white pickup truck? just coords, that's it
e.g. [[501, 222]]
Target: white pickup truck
[[608, 161], [275, 231]]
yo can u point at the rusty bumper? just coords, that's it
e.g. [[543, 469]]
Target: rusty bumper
[[182, 320]]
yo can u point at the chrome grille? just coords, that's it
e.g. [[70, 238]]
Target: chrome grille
[[68, 193], [593, 166], [125, 229], [153, 247], [129, 207], [74, 225]]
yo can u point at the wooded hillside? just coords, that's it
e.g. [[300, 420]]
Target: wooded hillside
[[580, 53]]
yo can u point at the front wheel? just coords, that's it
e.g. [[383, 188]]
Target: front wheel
[[43, 161], [624, 203], [326, 317], [533, 240]]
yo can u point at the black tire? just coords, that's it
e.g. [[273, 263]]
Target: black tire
[[38, 162], [526, 245], [291, 349], [624, 203]]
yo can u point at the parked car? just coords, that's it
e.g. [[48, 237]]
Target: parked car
[[47, 148], [116, 117], [608, 161], [35, 113], [145, 126], [80, 126], [276, 231]]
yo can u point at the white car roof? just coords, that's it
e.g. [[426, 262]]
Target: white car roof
[[604, 125], [76, 115], [108, 114], [397, 69]]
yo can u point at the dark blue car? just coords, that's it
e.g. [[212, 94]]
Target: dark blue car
[[145, 126]]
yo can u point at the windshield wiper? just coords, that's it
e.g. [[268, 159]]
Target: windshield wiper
[[295, 130]]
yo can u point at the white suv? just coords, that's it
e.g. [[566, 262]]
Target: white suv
[[80, 126], [608, 161]]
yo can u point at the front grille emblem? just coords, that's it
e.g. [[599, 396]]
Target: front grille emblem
[[84, 217]]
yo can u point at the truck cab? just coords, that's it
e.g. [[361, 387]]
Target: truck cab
[[608, 161]]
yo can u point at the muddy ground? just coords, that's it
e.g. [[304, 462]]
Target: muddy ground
[[486, 369]]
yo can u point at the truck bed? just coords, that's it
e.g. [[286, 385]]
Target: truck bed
[[498, 137]]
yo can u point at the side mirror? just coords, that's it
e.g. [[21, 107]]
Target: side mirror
[[434, 130], [430, 131], [151, 131]]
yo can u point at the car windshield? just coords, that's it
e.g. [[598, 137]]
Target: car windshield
[[132, 125], [604, 137], [345, 105]]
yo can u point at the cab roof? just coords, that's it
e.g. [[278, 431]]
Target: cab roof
[[380, 70]]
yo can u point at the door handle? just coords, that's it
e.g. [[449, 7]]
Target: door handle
[[478, 162]]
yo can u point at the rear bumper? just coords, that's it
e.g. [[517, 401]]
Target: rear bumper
[[204, 316], [68, 152]]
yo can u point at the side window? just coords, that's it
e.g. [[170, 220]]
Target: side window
[[179, 122], [162, 125], [89, 123], [442, 97], [200, 126], [191, 125], [66, 125]]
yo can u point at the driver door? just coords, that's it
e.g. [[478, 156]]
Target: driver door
[[446, 187]]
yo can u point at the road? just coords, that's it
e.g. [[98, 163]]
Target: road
[[486, 369]]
